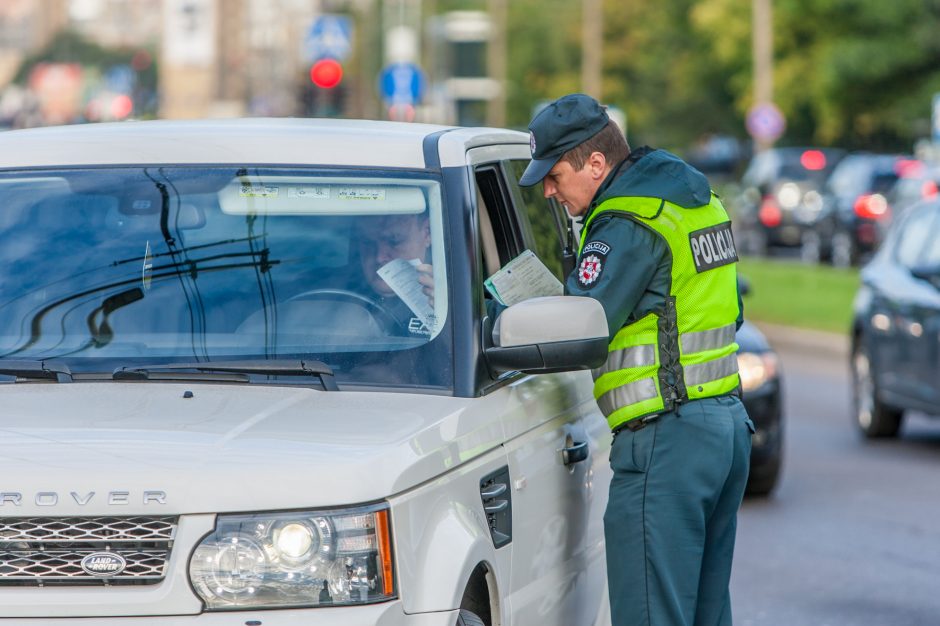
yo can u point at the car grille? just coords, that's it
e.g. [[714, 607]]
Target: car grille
[[39, 551]]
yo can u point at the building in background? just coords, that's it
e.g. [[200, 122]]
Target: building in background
[[25, 27], [225, 58]]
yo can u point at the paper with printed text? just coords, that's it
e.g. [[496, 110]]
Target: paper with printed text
[[522, 278]]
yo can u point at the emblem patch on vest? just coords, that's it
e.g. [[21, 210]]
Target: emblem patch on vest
[[590, 269], [713, 247]]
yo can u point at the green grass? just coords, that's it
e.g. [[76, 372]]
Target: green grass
[[791, 293]]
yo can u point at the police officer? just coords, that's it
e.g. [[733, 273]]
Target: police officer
[[656, 250]]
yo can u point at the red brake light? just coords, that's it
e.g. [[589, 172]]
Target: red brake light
[[813, 160], [909, 168], [929, 189], [769, 213], [872, 207]]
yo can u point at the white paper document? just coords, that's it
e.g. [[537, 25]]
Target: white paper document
[[402, 277], [522, 278]]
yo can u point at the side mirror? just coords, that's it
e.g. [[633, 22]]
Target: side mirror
[[550, 334]]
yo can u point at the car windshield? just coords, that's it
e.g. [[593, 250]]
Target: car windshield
[[121, 267]]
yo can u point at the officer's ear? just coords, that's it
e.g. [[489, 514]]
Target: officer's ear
[[597, 165]]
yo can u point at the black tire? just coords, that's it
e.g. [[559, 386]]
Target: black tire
[[873, 418], [811, 248], [844, 251], [466, 618], [755, 242], [763, 479]]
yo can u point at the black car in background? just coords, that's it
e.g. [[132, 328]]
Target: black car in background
[[895, 358], [759, 368], [780, 191], [855, 211]]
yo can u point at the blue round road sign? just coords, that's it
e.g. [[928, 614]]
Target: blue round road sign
[[401, 83], [765, 122]]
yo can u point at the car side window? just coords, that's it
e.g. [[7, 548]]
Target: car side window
[[930, 256], [916, 232], [495, 200], [545, 221]]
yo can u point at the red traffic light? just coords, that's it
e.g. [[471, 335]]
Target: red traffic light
[[326, 73]]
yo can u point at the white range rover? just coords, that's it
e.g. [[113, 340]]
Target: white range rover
[[216, 409]]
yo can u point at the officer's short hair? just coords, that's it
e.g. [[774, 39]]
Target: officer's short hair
[[609, 141]]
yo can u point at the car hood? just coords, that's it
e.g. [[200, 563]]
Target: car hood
[[114, 448]]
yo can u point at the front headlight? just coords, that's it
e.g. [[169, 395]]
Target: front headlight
[[307, 558], [756, 369]]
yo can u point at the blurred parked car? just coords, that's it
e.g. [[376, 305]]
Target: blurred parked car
[[717, 154], [855, 210], [759, 369], [917, 182], [780, 191], [895, 361]]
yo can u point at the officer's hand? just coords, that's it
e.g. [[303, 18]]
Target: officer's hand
[[426, 278]]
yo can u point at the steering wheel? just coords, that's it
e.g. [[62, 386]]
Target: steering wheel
[[378, 312]]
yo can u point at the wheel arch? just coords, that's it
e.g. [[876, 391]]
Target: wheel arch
[[450, 555]]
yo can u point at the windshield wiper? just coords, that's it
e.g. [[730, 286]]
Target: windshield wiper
[[271, 367], [49, 370]]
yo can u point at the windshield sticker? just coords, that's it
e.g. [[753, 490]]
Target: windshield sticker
[[318, 193], [361, 193], [418, 327], [147, 270], [258, 191]]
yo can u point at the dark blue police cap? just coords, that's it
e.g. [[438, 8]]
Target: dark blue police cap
[[559, 127]]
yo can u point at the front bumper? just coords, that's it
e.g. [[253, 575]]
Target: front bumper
[[385, 614]]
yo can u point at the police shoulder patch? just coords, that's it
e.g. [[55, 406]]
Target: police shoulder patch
[[712, 247], [589, 271], [596, 246]]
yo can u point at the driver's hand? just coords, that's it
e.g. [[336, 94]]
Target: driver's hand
[[426, 278]]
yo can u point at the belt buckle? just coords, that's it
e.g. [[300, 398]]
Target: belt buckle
[[640, 423]]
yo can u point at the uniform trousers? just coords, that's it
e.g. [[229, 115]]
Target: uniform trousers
[[672, 514]]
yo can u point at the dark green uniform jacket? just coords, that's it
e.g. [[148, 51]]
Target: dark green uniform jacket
[[634, 281], [656, 254]]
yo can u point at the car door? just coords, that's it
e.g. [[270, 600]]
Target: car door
[[903, 311], [921, 329], [558, 572]]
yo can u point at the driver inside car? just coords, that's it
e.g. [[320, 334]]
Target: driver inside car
[[383, 243]]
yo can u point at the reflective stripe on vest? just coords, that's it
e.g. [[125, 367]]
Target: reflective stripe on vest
[[690, 353], [707, 339], [629, 394], [634, 356], [711, 371]]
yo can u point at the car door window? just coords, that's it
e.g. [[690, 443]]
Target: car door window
[[915, 233], [930, 256], [495, 202], [545, 221]]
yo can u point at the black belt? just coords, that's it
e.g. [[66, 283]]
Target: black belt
[[637, 423]]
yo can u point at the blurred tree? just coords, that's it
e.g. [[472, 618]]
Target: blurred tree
[[856, 73], [70, 47]]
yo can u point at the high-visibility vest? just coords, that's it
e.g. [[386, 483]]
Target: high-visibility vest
[[687, 350]]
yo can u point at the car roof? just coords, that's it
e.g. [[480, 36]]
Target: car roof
[[271, 141]]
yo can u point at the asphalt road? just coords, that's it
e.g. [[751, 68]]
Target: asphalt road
[[852, 534]]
